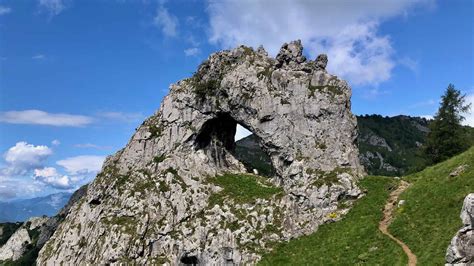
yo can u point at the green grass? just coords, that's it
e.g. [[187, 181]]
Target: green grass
[[353, 240], [242, 188], [430, 217]]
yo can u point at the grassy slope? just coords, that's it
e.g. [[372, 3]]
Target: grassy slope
[[430, 217], [353, 240]]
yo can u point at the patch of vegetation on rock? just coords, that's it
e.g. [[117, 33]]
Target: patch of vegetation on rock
[[242, 188], [159, 158], [156, 131], [326, 178], [332, 90]]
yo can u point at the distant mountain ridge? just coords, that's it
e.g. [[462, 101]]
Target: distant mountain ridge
[[21, 210]]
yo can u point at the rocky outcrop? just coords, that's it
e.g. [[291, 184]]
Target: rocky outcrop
[[31, 235], [20, 241], [164, 198], [15, 246], [461, 249]]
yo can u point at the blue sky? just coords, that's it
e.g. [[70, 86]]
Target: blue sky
[[77, 77]]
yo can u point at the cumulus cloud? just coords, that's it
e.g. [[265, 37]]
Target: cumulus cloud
[[38, 117], [191, 51], [25, 173], [55, 142], [167, 22], [51, 177], [346, 30], [4, 10], [82, 164], [52, 7], [13, 187], [24, 157]]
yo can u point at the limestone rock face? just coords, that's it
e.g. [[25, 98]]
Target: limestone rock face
[[15, 246], [461, 249], [154, 201]]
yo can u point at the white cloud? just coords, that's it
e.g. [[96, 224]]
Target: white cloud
[[14, 187], [346, 30], [20, 161], [166, 21], [55, 142], [24, 157], [121, 116], [53, 7], [191, 51], [82, 164], [92, 146], [51, 177], [37, 117], [38, 57], [241, 132], [4, 10], [469, 121], [410, 63], [428, 117]]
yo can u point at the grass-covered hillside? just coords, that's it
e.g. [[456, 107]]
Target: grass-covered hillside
[[353, 240], [426, 222], [430, 217]]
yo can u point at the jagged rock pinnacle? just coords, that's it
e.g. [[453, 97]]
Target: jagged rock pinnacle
[[322, 61]]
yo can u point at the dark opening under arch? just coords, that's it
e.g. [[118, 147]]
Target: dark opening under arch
[[217, 137]]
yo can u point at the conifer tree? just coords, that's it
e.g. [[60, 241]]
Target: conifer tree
[[446, 132]]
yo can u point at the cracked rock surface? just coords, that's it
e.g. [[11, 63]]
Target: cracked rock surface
[[157, 200], [461, 249]]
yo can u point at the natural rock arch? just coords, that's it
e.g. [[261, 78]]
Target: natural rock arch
[[157, 194]]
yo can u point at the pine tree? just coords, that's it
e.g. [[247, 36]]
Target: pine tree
[[446, 136]]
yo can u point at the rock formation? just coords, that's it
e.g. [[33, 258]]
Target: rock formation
[[461, 249], [162, 199], [20, 241], [32, 235]]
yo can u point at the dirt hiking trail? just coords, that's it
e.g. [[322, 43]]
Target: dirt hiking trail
[[390, 206]]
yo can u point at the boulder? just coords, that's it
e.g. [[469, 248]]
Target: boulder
[[461, 249]]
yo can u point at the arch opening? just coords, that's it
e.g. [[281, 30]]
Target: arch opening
[[189, 260], [217, 137]]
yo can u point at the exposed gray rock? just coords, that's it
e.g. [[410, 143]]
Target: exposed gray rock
[[461, 249], [322, 61], [152, 202], [15, 246], [459, 170], [290, 54], [375, 140], [36, 231], [35, 222], [368, 157]]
